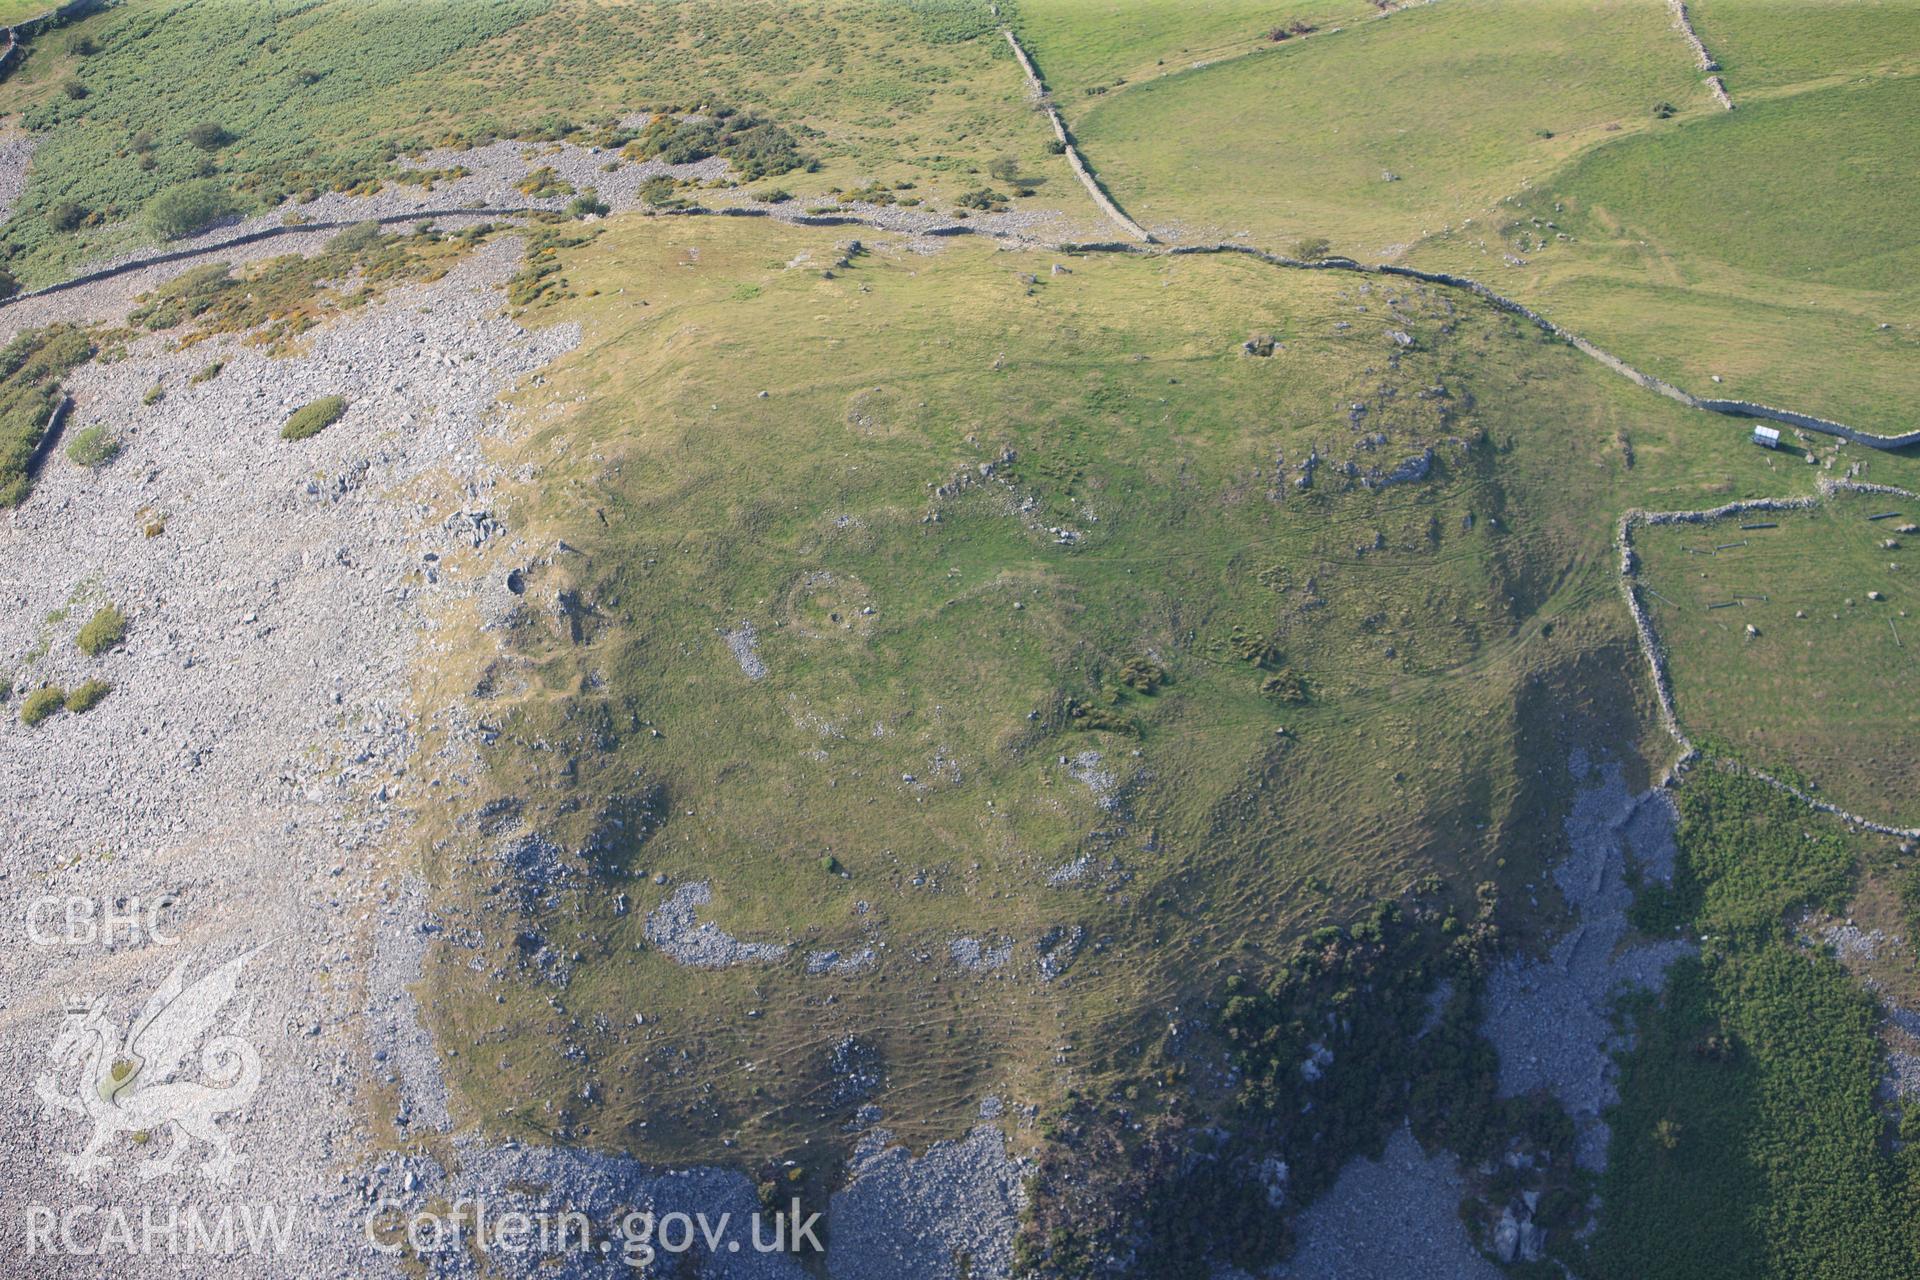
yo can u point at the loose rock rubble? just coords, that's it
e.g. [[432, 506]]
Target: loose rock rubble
[[674, 929], [1389, 1219], [251, 763], [1550, 1018]]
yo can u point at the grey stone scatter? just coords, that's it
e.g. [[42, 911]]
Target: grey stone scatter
[[1550, 1018], [975, 957], [907, 1218], [1391, 1219], [682, 938], [743, 643]]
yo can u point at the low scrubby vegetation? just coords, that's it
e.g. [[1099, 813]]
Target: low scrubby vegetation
[[284, 297], [311, 419], [31, 367], [1329, 1054], [1748, 1139], [106, 629], [87, 695], [194, 206], [94, 446], [41, 703], [755, 147]]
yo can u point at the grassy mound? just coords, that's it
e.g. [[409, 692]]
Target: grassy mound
[[997, 598], [311, 419]]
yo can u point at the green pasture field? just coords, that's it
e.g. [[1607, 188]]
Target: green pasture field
[[1295, 141], [1830, 697]]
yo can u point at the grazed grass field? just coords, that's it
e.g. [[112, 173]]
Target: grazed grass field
[[1095, 46], [1295, 142], [1789, 42], [1830, 696], [1765, 246], [14, 11], [1814, 275], [931, 747]]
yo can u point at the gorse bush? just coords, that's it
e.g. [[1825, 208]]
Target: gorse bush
[[311, 419], [31, 367], [105, 630], [756, 148], [209, 136]]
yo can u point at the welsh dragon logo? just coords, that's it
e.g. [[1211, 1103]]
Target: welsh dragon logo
[[126, 1085]]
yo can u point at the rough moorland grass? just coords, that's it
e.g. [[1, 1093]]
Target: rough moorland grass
[[290, 87], [1833, 696], [325, 95], [993, 650], [31, 367], [313, 418], [40, 704], [105, 630], [1748, 1137], [1804, 298], [1450, 98]]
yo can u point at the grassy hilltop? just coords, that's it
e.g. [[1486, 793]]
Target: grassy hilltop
[[1088, 680], [959, 702]]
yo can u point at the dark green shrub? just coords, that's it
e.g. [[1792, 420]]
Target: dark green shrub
[[94, 447], [42, 703], [588, 203], [207, 374], [73, 89], [311, 419], [756, 148], [661, 192], [984, 198], [65, 215], [209, 136], [190, 207], [105, 630]]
